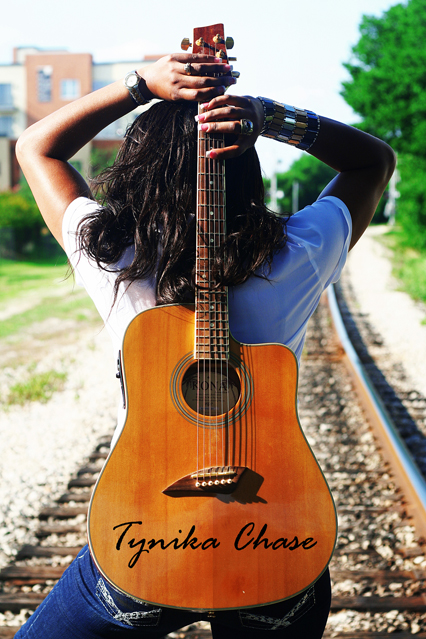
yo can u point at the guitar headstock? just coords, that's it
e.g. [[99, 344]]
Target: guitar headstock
[[211, 41]]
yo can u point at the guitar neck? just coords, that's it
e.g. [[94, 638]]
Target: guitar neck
[[211, 303]]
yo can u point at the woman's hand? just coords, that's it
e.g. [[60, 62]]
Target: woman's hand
[[224, 115], [168, 79], [44, 149]]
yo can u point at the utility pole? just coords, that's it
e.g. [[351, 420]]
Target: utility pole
[[393, 195], [295, 197], [275, 192]]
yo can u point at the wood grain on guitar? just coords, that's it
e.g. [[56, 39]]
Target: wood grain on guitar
[[211, 498]]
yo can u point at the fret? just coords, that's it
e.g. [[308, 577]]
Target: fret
[[209, 346], [218, 311], [212, 353], [209, 334]]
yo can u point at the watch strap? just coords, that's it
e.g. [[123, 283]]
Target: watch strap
[[135, 91]]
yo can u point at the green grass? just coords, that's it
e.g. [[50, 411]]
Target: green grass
[[32, 294], [411, 271], [76, 306], [409, 266], [48, 292], [38, 388], [19, 278]]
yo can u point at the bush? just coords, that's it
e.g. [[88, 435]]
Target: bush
[[411, 204], [18, 211], [23, 232]]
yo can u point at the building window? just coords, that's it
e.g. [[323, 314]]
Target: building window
[[6, 126], [70, 89], [6, 95], [44, 84]]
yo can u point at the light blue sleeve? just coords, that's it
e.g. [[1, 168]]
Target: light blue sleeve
[[324, 230]]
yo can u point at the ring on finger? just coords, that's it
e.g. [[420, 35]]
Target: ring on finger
[[246, 127], [188, 68]]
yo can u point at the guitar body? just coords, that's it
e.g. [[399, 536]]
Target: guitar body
[[162, 540]]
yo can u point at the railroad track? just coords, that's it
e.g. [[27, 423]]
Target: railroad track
[[379, 566]]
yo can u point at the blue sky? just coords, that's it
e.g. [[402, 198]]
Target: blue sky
[[289, 51]]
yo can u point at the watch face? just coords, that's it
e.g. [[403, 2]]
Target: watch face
[[132, 80]]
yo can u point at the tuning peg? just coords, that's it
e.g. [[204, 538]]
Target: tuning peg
[[229, 43], [235, 74], [185, 44], [232, 59]]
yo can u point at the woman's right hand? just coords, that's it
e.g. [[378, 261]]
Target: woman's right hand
[[167, 79]]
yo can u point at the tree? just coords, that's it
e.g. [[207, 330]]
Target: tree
[[101, 158], [388, 89], [388, 69], [311, 175]]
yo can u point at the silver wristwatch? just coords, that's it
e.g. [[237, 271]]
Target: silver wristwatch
[[131, 82]]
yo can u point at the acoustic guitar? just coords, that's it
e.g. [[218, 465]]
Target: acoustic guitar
[[211, 498]]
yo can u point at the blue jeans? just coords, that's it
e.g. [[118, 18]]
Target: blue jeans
[[83, 606]]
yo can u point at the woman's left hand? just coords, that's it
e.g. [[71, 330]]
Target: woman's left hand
[[167, 78], [225, 114]]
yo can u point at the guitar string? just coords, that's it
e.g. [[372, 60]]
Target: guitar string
[[213, 343], [210, 249], [217, 373], [213, 214], [197, 248], [201, 155], [208, 238], [219, 197], [225, 327], [219, 168], [215, 366], [218, 314], [201, 386]]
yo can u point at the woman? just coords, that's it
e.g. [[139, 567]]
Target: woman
[[138, 251]]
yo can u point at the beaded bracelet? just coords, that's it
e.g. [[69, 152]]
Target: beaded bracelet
[[298, 127]]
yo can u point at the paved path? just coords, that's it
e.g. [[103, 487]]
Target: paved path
[[391, 312]]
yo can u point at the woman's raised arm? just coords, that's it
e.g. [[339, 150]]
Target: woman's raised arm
[[365, 163], [43, 150]]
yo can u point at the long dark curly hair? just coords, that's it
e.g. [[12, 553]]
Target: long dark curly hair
[[148, 199]]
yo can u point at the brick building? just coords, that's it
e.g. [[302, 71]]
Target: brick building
[[37, 83]]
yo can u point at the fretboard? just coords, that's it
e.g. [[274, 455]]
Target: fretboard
[[211, 303]]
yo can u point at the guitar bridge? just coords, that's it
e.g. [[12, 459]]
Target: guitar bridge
[[216, 479]]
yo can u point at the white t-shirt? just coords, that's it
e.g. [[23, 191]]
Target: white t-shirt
[[260, 311]]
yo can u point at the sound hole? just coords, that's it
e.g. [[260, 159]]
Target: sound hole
[[211, 387]]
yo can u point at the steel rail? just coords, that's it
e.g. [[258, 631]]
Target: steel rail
[[395, 451]]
